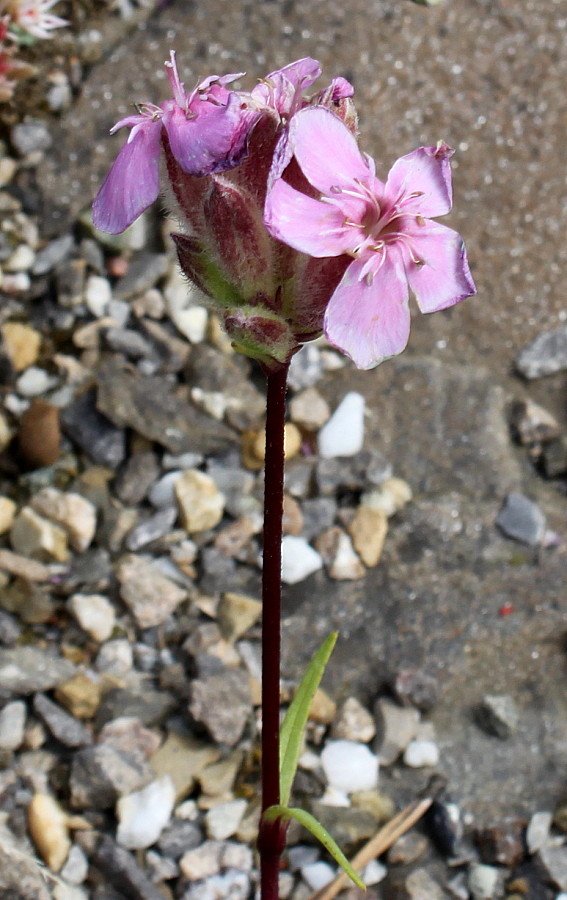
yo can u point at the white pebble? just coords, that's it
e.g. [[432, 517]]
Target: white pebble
[[34, 382], [374, 872], [299, 559], [317, 875], [143, 815], [482, 881], [350, 766], [115, 657], [12, 725], [98, 295], [21, 260], [95, 614], [343, 434], [421, 753], [223, 820], [161, 493], [537, 832]]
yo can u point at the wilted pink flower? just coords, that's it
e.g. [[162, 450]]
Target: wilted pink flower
[[206, 130], [385, 228], [34, 16]]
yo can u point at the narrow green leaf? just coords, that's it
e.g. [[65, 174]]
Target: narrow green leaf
[[310, 822], [293, 726]]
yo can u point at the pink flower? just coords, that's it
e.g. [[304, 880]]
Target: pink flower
[[385, 228], [34, 16], [207, 131]]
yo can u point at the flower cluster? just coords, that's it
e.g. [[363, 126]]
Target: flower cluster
[[22, 22], [286, 225]]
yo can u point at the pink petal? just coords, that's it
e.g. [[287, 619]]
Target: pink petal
[[445, 279], [132, 183], [326, 150], [370, 321], [213, 141], [427, 172], [307, 225], [302, 73]]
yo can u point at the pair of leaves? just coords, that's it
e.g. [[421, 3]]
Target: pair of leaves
[[291, 741]]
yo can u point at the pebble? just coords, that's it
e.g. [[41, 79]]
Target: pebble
[[64, 727], [80, 695], [92, 432], [230, 885], [74, 513], [374, 872], [30, 136], [318, 515], [201, 504], [555, 457], [483, 881], [222, 703], [22, 343], [353, 722], [39, 435], [35, 381], [305, 369], [407, 849], [183, 758], [151, 529], [537, 832], [178, 837], [7, 513], [142, 815], [413, 687], [149, 595], [349, 766], [120, 868], [531, 423], [299, 559], [396, 727], [12, 725], [101, 774], [522, 519], [344, 564], [554, 861], [392, 495], [115, 657], [309, 409], [98, 295], [498, 715], [317, 875], [52, 254], [94, 613], [545, 355], [368, 531], [20, 260], [502, 843], [343, 434], [222, 820], [421, 886], [76, 867], [47, 825], [32, 535], [237, 613], [135, 478], [420, 753]]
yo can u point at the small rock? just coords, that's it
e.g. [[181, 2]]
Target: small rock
[[39, 435], [554, 862], [306, 368], [98, 295], [217, 780], [103, 442], [292, 522], [445, 826], [201, 504], [531, 423], [102, 774], [80, 695], [72, 511], [323, 708], [22, 343], [318, 515], [120, 868], [94, 613], [396, 727], [522, 520], [419, 753], [555, 457], [373, 873], [7, 513], [128, 734], [368, 531], [349, 766], [12, 725], [10, 629], [498, 715], [35, 381], [222, 703], [20, 260], [353, 722], [483, 881], [183, 758], [236, 614], [421, 886], [178, 837], [344, 564], [416, 688], [25, 670], [537, 832], [299, 559], [392, 495], [47, 825], [317, 875], [149, 595], [31, 136], [501, 844], [64, 727], [546, 354], [136, 477], [222, 820], [309, 409], [407, 849], [151, 529], [144, 271], [129, 342], [343, 434], [76, 868], [143, 815], [32, 535], [115, 657], [52, 254]]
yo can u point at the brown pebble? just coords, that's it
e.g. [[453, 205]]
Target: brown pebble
[[117, 266], [39, 436]]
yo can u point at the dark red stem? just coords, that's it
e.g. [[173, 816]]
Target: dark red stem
[[271, 838]]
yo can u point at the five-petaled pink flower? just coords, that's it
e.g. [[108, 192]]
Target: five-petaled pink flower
[[385, 227]]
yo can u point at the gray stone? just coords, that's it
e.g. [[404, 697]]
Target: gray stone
[[521, 519], [135, 478], [498, 715], [555, 457], [421, 886], [215, 372], [149, 595], [537, 832], [31, 136], [151, 529], [52, 254], [25, 670], [150, 707], [222, 703], [68, 730], [10, 629], [20, 876], [318, 515], [12, 724], [102, 441], [102, 774], [531, 423], [129, 342], [396, 727], [554, 862], [178, 837], [545, 355], [150, 406], [119, 866], [144, 271]]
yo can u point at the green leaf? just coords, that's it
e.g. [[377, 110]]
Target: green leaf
[[310, 822], [293, 726]]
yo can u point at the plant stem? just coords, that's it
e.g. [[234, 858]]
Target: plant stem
[[271, 837]]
